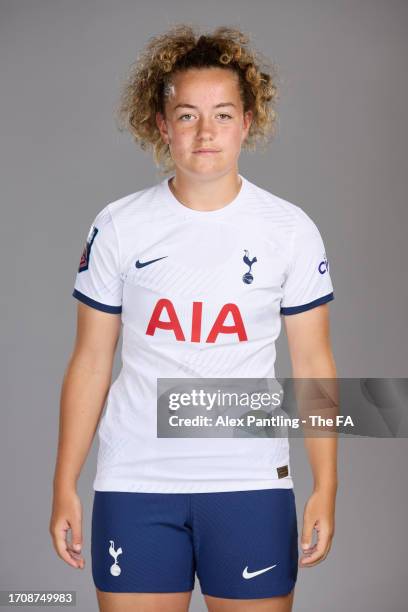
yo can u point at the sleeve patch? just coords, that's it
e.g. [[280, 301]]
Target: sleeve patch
[[84, 262]]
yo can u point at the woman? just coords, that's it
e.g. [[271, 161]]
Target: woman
[[199, 269]]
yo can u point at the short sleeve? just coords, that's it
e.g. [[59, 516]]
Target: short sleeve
[[98, 281], [307, 283]]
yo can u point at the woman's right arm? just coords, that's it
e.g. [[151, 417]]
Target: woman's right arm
[[84, 390]]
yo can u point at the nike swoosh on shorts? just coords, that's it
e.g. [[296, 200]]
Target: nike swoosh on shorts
[[247, 574]]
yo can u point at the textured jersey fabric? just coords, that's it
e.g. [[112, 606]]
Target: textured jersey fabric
[[200, 294]]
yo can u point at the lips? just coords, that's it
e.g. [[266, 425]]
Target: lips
[[206, 151]]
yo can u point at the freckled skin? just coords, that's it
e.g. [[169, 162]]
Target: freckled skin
[[187, 129]]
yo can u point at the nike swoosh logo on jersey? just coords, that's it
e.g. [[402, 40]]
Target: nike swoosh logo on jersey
[[247, 574], [140, 264]]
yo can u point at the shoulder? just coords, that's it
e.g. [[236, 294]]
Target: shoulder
[[279, 211], [138, 205]]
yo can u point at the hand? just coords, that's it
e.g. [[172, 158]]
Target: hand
[[318, 515], [67, 514]]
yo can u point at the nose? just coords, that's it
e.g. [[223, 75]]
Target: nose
[[205, 129]]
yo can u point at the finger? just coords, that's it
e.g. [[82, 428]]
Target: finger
[[63, 552], [311, 546], [314, 553], [319, 551], [61, 546], [306, 541], [76, 540], [307, 551], [76, 535], [76, 555], [307, 554], [307, 535], [327, 550]]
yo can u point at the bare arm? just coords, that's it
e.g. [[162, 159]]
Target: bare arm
[[311, 355], [84, 389]]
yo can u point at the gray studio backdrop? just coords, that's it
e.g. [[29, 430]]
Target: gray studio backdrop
[[340, 153]]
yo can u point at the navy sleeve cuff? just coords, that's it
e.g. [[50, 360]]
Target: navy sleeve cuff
[[290, 310], [98, 305]]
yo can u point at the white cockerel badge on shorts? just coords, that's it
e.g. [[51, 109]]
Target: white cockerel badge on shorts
[[114, 569]]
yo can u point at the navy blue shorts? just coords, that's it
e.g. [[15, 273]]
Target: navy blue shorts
[[241, 544]]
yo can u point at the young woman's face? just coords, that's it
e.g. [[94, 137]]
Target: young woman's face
[[204, 110]]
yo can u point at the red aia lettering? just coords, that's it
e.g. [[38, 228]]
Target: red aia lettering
[[218, 327]]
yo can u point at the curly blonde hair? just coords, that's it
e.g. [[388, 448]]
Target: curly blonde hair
[[183, 47]]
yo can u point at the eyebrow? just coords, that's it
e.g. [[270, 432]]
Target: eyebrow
[[182, 105]]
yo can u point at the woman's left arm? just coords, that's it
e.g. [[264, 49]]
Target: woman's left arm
[[311, 356]]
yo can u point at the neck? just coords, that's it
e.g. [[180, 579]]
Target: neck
[[205, 194]]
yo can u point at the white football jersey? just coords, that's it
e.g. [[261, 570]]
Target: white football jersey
[[200, 295]]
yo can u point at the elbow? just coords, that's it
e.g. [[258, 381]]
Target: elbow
[[317, 365]]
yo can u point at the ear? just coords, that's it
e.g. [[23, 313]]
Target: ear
[[248, 116], [161, 124]]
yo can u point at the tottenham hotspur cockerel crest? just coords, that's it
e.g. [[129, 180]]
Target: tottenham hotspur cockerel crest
[[248, 277]]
